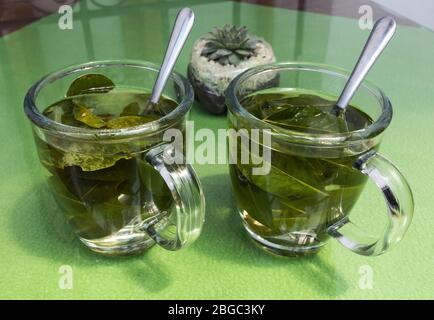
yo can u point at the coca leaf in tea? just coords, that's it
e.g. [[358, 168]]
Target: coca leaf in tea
[[104, 195], [301, 195]]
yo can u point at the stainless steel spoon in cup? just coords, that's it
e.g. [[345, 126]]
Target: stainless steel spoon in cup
[[380, 36], [181, 29]]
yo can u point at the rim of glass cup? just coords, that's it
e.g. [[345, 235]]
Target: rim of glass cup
[[371, 131], [46, 123]]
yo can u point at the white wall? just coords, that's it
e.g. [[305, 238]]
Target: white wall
[[420, 11]]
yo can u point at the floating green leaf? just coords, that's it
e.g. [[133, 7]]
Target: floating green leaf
[[84, 115], [303, 113], [132, 109], [165, 106], [129, 121], [90, 83]]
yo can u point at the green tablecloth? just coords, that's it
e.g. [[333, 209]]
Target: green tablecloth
[[223, 263]]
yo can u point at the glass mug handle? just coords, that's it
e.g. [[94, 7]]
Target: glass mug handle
[[399, 200], [188, 198]]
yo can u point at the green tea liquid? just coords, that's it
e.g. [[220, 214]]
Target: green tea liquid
[[302, 195], [104, 195]]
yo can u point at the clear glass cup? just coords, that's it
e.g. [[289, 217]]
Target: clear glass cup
[[315, 179], [126, 189]]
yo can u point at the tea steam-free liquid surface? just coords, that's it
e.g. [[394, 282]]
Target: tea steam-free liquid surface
[[289, 209]]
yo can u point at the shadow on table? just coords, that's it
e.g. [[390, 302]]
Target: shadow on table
[[224, 238], [40, 229]]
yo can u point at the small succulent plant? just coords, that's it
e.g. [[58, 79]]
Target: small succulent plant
[[219, 56], [229, 45]]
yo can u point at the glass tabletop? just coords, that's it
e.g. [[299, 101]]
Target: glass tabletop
[[223, 263]]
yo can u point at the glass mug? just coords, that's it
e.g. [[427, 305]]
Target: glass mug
[[121, 190], [314, 178]]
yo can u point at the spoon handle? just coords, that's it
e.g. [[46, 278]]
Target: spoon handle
[[380, 36], [180, 31]]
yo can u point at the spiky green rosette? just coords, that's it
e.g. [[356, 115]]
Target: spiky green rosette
[[229, 45]]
